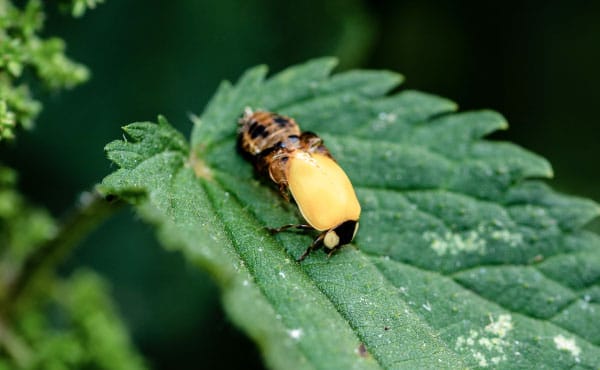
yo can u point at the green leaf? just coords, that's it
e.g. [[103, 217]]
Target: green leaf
[[75, 327], [23, 227], [77, 8], [461, 259], [22, 49], [50, 322]]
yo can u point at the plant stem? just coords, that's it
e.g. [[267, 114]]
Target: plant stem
[[93, 208], [14, 346]]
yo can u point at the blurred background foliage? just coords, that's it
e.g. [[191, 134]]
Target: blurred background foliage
[[535, 61]]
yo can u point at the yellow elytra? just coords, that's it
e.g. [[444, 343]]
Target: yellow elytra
[[300, 163]]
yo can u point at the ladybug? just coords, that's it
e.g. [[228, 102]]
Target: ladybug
[[299, 163]]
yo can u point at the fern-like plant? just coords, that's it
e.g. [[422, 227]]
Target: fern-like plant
[[47, 322]]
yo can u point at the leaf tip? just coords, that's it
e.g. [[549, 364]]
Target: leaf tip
[[397, 78], [549, 171], [542, 168], [503, 125], [162, 120], [329, 61], [194, 118], [595, 210], [259, 70]]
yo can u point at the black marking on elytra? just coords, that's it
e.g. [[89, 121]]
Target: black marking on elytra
[[281, 121], [256, 131], [271, 149], [253, 126], [241, 150]]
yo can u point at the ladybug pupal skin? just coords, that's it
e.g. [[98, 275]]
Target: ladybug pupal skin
[[301, 164], [261, 130], [267, 138]]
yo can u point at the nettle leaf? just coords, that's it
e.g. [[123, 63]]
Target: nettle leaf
[[461, 260]]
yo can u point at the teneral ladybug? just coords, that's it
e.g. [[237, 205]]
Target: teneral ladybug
[[299, 163]]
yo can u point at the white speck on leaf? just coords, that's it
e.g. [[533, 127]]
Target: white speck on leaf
[[427, 306], [496, 360], [295, 333], [389, 117], [480, 358], [455, 243], [282, 274], [471, 340], [563, 343], [585, 305], [501, 326], [471, 241], [489, 340], [485, 342], [512, 239], [383, 121]]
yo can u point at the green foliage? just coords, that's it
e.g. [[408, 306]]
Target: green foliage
[[77, 8], [56, 324], [83, 330], [23, 51], [461, 260], [46, 322], [22, 227]]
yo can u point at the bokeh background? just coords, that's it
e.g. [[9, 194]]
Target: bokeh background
[[537, 62]]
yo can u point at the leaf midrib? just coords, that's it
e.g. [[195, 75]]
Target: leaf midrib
[[236, 246], [309, 278]]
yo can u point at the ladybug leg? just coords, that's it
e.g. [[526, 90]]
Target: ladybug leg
[[276, 230], [332, 251], [283, 191], [316, 244]]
